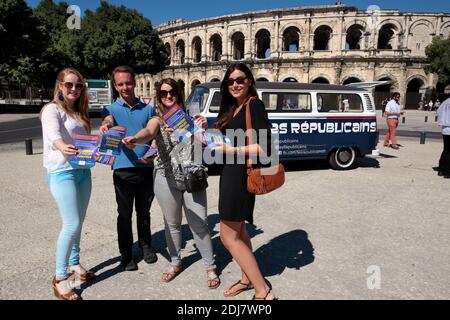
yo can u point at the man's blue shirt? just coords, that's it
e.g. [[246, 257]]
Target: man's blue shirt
[[134, 119]]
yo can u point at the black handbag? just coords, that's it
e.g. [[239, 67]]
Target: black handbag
[[196, 181]]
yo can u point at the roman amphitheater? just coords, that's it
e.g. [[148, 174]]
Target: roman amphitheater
[[326, 44]]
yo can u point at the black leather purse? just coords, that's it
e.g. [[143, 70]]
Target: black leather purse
[[196, 181]]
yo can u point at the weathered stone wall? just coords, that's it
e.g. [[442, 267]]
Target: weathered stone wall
[[337, 44]]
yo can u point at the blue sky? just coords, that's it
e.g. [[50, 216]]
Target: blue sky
[[161, 11]]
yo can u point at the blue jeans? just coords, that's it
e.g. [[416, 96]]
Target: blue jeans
[[71, 190]]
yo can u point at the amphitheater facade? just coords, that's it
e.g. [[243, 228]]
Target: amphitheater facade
[[326, 44]]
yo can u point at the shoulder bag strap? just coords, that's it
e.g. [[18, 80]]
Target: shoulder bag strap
[[248, 135]]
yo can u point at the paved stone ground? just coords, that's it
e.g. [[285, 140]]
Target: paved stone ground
[[316, 238]]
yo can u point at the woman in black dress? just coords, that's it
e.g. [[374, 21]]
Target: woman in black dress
[[236, 204]]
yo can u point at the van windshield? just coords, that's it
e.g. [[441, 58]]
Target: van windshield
[[198, 98]]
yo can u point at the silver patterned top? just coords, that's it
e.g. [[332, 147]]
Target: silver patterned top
[[171, 154]]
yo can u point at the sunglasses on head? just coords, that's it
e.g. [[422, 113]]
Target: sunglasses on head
[[172, 92], [77, 85], [240, 80]]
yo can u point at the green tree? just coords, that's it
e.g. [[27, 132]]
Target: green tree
[[63, 45], [21, 42], [439, 54], [117, 35]]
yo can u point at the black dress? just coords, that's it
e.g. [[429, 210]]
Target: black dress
[[235, 202]]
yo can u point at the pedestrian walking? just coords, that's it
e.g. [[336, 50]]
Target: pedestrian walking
[[392, 113]]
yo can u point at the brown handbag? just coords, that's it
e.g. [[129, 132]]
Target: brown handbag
[[257, 182]]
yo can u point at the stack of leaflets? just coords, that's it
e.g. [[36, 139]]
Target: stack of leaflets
[[151, 152], [102, 149], [213, 138], [111, 141], [87, 149], [180, 122]]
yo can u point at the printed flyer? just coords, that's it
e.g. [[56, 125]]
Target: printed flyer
[[87, 148], [176, 119], [212, 137], [151, 152], [111, 141], [105, 159]]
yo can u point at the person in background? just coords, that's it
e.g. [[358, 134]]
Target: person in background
[[70, 185], [133, 178], [444, 122], [393, 114]]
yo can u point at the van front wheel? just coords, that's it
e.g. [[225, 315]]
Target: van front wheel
[[343, 158]]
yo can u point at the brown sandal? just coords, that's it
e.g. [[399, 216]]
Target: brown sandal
[[88, 275], [63, 296], [211, 275], [171, 274], [247, 286]]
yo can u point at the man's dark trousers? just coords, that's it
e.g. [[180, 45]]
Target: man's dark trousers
[[133, 185]]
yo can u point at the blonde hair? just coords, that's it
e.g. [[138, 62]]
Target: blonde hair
[[81, 111]]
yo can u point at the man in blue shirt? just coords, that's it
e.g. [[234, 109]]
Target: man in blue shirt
[[133, 178]]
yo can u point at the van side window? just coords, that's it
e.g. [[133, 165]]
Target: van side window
[[215, 102], [338, 102], [287, 102]]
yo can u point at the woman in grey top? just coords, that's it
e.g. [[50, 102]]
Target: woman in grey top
[[169, 186]]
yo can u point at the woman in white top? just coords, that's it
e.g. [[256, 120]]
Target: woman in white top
[[444, 122], [70, 186]]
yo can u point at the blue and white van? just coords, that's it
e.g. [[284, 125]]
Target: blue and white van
[[313, 121]]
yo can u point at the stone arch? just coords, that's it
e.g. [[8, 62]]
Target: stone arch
[[419, 76], [263, 75], [168, 51], [194, 82], [356, 21], [216, 47], [238, 45], [148, 89], [290, 25], [420, 36], [415, 90], [445, 30], [354, 37], [321, 79], [384, 91], [290, 79], [197, 49], [322, 37], [351, 79], [394, 22], [316, 25], [425, 22], [262, 79], [214, 79], [291, 39], [387, 36], [181, 51], [262, 41]]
